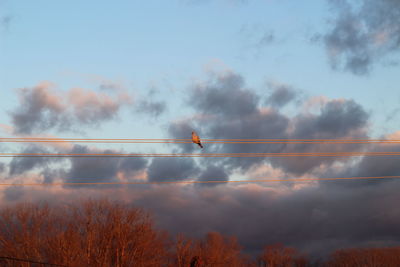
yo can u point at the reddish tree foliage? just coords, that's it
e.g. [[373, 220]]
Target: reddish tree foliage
[[367, 257], [92, 233], [215, 250], [279, 256]]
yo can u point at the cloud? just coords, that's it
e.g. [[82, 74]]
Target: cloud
[[336, 119], [226, 109], [225, 96], [362, 34], [39, 109], [90, 107], [100, 169], [313, 219], [20, 165], [76, 169], [213, 173], [43, 108], [372, 166], [281, 95], [131, 166], [2, 167], [171, 169], [153, 108]]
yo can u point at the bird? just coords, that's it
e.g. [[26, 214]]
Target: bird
[[196, 139]]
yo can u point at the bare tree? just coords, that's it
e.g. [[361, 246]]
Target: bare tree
[[90, 233]]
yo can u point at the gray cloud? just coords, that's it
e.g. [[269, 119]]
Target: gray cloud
[[172, 169], [227, 110], [259, 125], [38, 110], [362, 34], [153, 108], [93, 108], [79, 169], [20, 165], [340, 117], [316, 220], [213, 173], [337, 119], [100, 169], [225, 96], [281, 95], [91, 169], [131, 166], [371, 167], [42, 108]]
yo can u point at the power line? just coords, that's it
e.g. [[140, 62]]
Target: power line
[[204, 182], [30, 261], [202, 155], [185, 141]]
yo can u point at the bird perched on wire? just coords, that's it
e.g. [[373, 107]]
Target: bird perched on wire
[[196, 139]]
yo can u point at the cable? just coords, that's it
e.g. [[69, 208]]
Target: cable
[[186, 141], [204, 182], [204, 155], [31, 261], [205, 139], [205, 142], [94, 141]]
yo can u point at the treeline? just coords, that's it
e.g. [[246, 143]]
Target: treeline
[[104, 233]]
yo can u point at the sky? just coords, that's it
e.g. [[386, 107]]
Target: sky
[[227, 69]]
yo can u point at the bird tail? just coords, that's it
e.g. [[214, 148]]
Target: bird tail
[[200, 145]]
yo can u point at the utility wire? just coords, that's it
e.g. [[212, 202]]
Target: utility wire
[[187, 141], [30, 261], [204, 182], [204, 155]]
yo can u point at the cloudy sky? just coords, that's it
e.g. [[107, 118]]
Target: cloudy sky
[[320, 69]]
